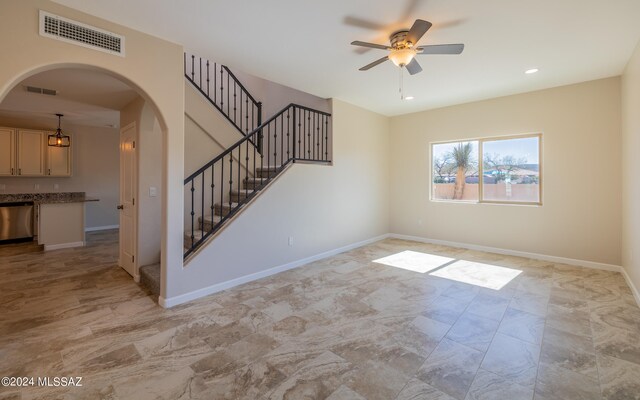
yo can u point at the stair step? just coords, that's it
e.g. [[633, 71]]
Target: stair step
[[250, 183], [197, 235], [150, 278], [239, 195], [223, 209], [268, 171], [208, 222]]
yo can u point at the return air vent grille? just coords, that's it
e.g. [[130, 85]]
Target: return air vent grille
[[35, 89], [69, 31]]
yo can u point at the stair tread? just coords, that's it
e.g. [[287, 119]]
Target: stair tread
[[210, 218], [241, 191], [233, 204]]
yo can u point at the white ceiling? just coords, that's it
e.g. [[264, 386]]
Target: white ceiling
[[85, 97], [305, 44]]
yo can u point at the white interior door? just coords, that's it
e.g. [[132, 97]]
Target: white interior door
[[127, 207]]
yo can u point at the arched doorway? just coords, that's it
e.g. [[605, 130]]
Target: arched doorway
[[102, 92]]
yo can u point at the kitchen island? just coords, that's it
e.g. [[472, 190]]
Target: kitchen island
[[59, 217]]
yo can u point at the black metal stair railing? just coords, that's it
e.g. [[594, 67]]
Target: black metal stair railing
[[218, 190], [225, 92]]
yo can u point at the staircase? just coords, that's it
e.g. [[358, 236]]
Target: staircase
[[224, 186]]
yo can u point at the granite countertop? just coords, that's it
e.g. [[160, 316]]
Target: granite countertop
[[47, 198]]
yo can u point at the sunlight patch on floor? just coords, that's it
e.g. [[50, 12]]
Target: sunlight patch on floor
[[474, 273], [414, 261]]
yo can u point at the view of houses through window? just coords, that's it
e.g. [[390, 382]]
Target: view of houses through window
[[510, 170]]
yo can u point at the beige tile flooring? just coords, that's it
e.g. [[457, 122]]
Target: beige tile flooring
[[340, 328]]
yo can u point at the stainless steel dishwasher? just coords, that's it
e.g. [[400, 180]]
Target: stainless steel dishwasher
[[16, 220]]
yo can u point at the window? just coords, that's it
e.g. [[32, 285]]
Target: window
[[509, 171]]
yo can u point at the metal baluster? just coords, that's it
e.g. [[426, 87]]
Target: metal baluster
[[309, 129], [200, 72], [228, 94], [193, 60], [221, 187], [268, 151], [185, 63], [202, 203], [275, 142], [230, 178], [288, 135], [213, 185], [221, 89], [192, 214], [246, 171], [234, 103], [282, 139], [254, 163], [299, 133], [215, 82], [318, 134], [246, 110], [326, 139], [239, 169], [207, 78]]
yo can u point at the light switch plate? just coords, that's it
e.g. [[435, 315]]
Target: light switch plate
[[153, 191]]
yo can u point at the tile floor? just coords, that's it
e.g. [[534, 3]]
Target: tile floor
[[340, 328]]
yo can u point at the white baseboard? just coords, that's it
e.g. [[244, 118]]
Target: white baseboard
[[48, 247], [196, 294], [634, 289], [101, 228], [516, 253]]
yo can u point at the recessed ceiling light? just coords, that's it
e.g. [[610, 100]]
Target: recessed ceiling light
[[409, 98], [531, 71]]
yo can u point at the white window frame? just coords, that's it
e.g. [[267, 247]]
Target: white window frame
[[480, 141]]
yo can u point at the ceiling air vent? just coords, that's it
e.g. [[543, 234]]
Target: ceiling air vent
[[66, 30], [34, 89]]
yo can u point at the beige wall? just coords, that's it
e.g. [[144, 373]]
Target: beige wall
[[95, 170], [322, 207], [631, 185], [581, 143], [152, 66], [275, 97]]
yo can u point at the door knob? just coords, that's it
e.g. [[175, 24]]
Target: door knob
[[120, 207]]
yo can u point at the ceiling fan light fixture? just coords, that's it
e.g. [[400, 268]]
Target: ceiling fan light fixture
[[402, 57], [531, 71]]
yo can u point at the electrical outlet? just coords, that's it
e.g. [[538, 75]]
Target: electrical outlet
[[56, 186], [290, 240], [36, 186]]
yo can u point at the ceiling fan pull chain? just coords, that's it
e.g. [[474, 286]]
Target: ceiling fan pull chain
[[401, 86]]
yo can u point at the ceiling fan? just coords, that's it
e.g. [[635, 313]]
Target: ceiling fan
[[403, 48]]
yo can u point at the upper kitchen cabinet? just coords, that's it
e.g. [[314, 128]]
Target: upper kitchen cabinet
[[58, 161], [24, 153], [31, 153], [7, 152]]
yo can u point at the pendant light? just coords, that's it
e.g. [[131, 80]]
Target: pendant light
[[58, 139]]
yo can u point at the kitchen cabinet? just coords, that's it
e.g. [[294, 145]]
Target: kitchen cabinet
[[61, 225], [58, 161], [30, 152], [7, 152], [24, 153]]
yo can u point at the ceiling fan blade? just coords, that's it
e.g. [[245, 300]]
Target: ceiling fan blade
[[373, 64], [414, 67], [370, 45], [419, 28], [441, 49], [363, 23]]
